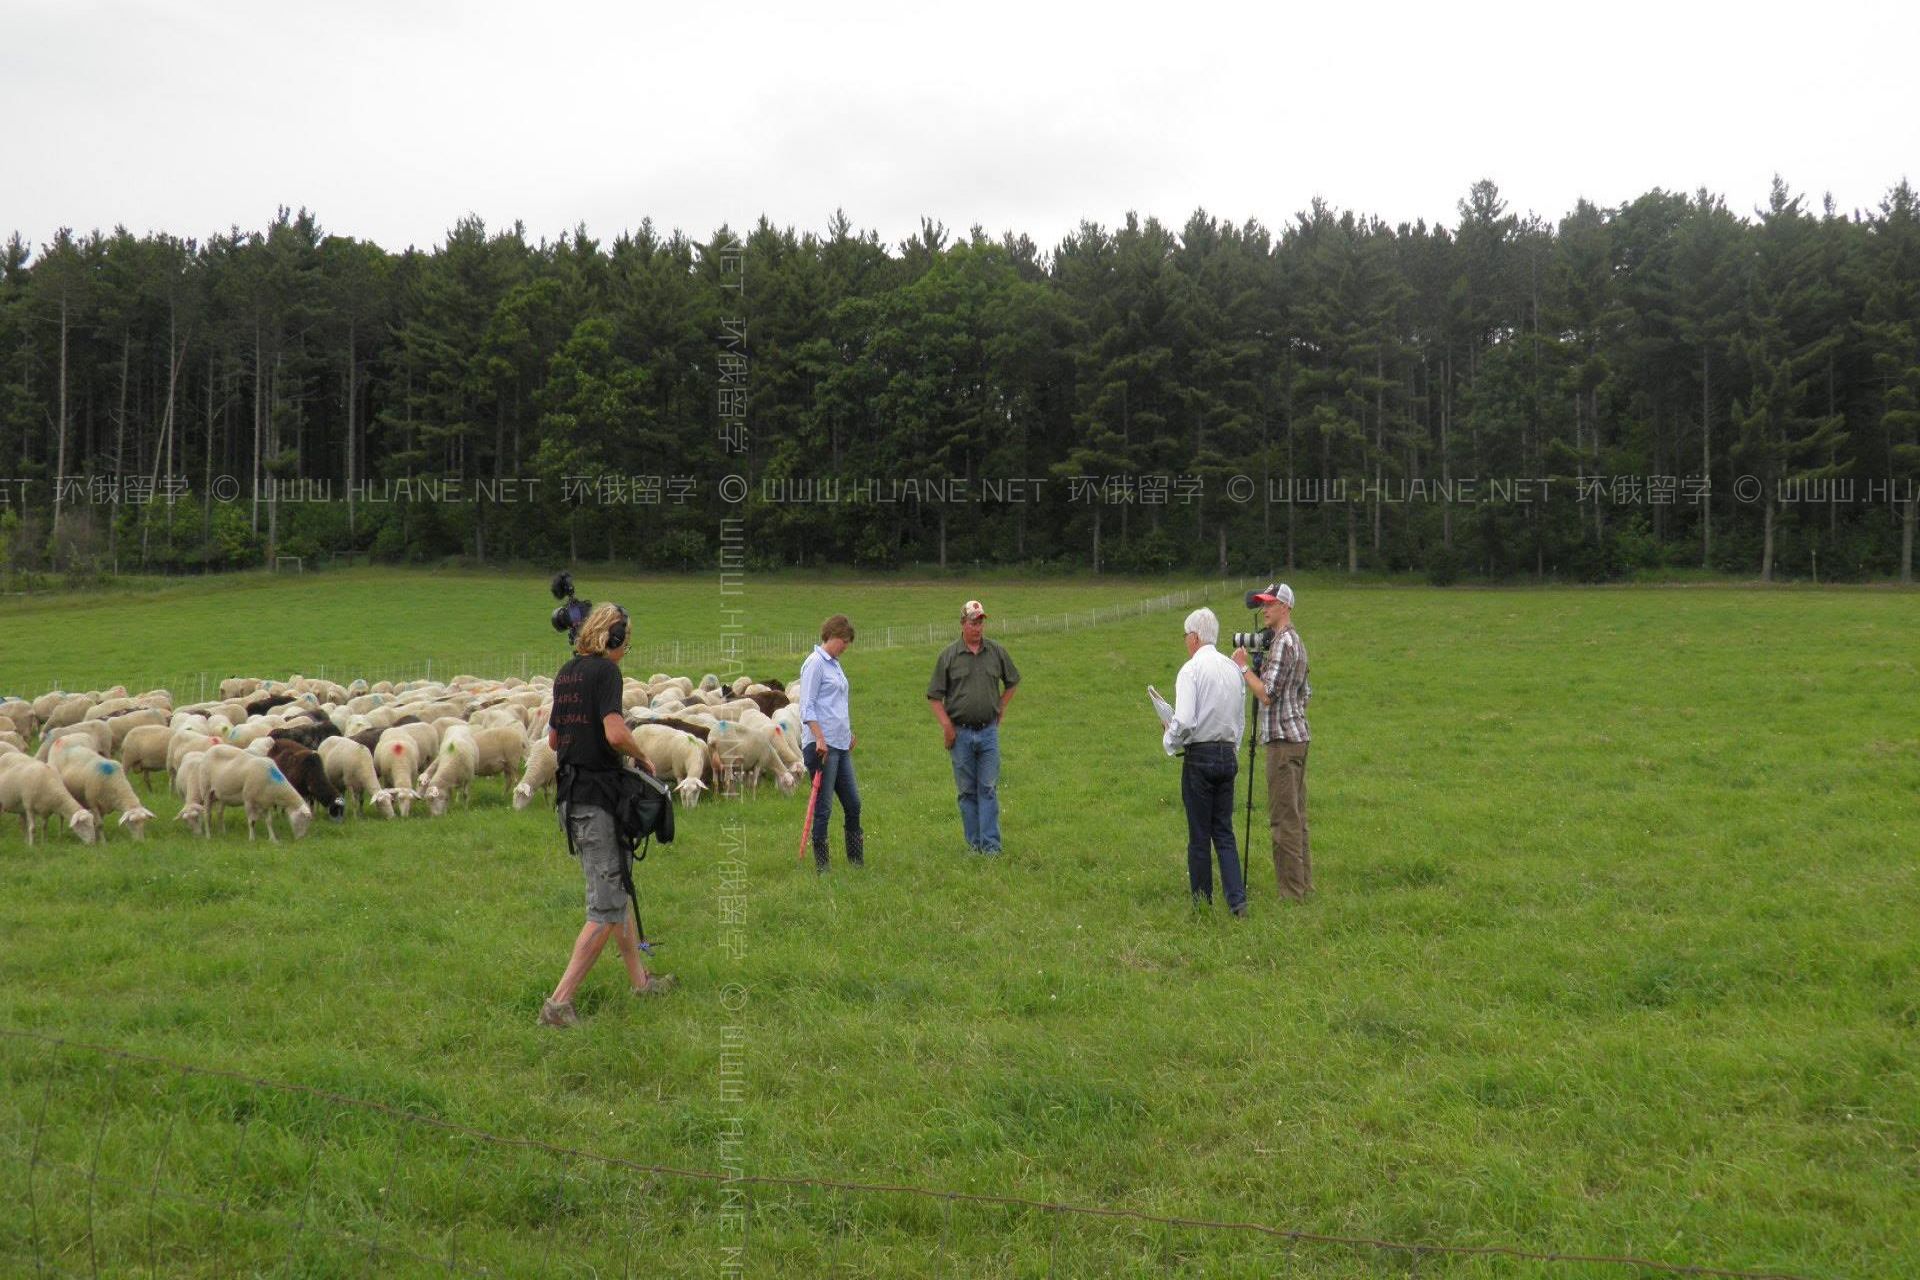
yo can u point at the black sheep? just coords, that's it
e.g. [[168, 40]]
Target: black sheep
[[308, 774]]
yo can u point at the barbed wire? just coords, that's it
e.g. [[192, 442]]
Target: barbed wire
[[1416, 1250]]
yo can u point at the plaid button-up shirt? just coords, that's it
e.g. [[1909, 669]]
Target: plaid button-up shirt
[[1284, 718]]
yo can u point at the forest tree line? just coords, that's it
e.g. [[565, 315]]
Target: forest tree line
[[1668, 383]]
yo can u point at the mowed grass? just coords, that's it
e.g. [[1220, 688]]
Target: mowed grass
[[1613, 953]]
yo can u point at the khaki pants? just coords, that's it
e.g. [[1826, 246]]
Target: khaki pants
[[1287, 816]]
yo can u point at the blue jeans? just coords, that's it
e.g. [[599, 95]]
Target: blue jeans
[[1206, 788], [837, 780], [976, 772]]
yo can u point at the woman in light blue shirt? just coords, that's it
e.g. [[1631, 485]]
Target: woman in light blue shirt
[[828, 749]]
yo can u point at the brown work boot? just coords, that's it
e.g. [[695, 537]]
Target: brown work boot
[[558, 1015], [658, 984]]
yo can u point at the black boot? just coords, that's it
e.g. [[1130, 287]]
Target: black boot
[[820, 858], [856, 848]]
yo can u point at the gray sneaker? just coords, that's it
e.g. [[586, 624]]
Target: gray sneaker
[[558, 1015]]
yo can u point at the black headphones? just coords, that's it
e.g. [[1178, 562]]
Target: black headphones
[[617, 634]]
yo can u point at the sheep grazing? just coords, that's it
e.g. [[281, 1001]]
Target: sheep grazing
[[542, 765], [452, 771], [674, 755], [350, 769], [122, 725], [32, 789], [231, 776], [186, 782], [144, 752], [307, 772], [70, 710], [101, 785], [426, 738], [396, 757], [769, 701], [185, 742], [260, 706], [503, 753], [740, 752], [94, 733], [309, 735]]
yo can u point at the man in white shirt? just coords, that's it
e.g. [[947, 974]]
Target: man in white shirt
[[1207, 721]]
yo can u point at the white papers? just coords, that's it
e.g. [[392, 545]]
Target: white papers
[[1160, 706]]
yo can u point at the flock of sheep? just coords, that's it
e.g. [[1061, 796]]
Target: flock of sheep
[[294, 746]]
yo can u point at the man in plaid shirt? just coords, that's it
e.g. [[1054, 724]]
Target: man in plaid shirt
[[1281, 687]]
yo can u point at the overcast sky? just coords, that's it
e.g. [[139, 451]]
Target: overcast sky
[[393, 120]]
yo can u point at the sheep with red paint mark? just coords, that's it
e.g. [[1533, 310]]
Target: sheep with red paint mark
[[396, 758]]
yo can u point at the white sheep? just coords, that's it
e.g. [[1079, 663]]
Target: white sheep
[[542, 765], [94, 733], [144, 751], [101, 785], [231, 776], [350, 769], [789, 748], [32, 789], [70, 710], [186, 782], [452, 770], [503, 753], [426, 738], [186, 741], [396, 757], [746, 753], [687, 760]]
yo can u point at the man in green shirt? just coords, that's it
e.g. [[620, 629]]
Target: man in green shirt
[[973, 681]]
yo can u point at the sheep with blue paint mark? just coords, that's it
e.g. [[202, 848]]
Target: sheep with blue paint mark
[[101, 785], [232, 776]]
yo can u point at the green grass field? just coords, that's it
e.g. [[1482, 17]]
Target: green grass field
[[1614, 952]]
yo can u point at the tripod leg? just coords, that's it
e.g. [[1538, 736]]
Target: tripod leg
[[1253, 745]]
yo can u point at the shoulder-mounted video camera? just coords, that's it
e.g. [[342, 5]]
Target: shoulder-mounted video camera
[[573, 610]]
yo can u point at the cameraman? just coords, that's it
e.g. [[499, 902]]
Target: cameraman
[[588, 734], [1207, 720], [1281, 687]]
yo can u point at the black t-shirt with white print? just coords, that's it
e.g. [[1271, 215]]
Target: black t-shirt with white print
[[585, 692]]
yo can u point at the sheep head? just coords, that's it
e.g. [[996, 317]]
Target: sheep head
[[136, 820], [84, 825], [300, 819], [690, 788]]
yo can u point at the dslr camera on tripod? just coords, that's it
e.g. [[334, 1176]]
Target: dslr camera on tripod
[[1255, 642]]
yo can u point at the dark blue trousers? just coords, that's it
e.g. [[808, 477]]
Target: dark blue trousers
[[1206, 788], [836, 780]]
